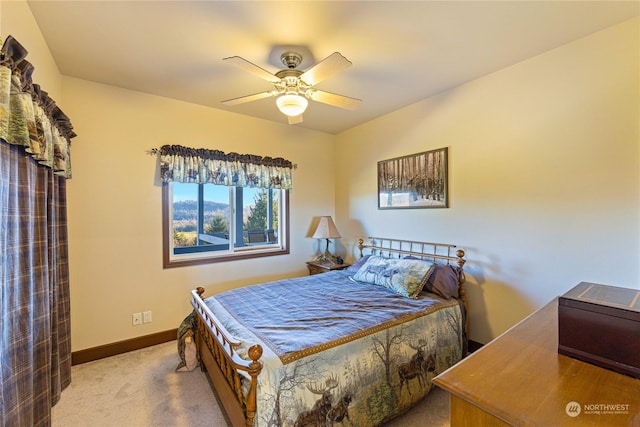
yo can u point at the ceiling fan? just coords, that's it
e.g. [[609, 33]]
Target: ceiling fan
[[293, 87]]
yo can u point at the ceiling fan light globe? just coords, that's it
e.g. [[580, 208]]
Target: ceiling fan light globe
[[292, 105]]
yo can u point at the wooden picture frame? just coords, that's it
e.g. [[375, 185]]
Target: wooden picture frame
[[416, 181]]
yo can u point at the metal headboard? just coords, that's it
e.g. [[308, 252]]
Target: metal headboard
[[397, 248], [440, 253]]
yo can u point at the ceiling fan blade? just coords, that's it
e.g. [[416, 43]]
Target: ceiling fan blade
[[335, 100], [326, 68], [248, 98], [252, 68], [295, 119]]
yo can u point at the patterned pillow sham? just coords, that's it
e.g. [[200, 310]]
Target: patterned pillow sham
[[402, 276], [443, 280]]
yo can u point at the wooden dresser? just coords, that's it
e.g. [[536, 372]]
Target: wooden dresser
[[519, 379]]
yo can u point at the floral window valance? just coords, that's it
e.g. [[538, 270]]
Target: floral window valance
[[28, 116], [202, 166]]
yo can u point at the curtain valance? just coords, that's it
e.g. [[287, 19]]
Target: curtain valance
[[202, 166], [28, 116]]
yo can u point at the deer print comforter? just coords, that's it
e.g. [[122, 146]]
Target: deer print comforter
[[337, 351]]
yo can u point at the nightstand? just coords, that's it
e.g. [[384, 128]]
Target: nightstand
[[320, 267]]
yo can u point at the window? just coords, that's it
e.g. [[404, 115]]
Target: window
[[205, 223]]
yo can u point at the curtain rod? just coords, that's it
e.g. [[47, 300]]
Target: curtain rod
[[208, 154]]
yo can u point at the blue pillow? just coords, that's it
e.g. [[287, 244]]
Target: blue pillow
[[406, 277], [444, 281], [356, 265]]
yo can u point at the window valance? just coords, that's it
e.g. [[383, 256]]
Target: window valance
[[203, 166], [28, 116]]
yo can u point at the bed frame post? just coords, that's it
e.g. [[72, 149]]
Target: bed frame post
[[462, 290], [255, 353]]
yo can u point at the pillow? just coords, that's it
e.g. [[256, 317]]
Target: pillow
[[402, 276], [443, 281], [356, 265]]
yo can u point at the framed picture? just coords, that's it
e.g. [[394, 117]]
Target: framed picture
[[415, 181]]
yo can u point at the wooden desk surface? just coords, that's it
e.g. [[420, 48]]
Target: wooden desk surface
[[521, 379]]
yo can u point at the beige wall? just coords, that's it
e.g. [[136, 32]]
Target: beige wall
[[115, 206], [544, 182], [543, 175], [114, 198]]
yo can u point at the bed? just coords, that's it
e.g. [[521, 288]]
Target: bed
[[357, 346]]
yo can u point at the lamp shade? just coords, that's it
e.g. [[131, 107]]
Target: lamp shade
[[326, 229], [292, 105]]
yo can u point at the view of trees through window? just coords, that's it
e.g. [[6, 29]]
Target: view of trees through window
[[201, 215]]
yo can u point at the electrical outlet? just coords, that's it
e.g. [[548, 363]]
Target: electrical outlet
[[137, 319], [146, 317]]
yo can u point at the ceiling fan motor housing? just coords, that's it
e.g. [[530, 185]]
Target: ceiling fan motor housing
[[291, 59], [290, 82]]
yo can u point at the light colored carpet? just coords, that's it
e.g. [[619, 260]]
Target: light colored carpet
[[142, 389]]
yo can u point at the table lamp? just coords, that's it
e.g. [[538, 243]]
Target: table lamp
[[326, 230]]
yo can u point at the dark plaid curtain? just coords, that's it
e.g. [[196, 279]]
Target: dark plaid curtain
[[35, 349], [35, 343]]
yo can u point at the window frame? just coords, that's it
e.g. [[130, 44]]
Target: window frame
[[210, 257]]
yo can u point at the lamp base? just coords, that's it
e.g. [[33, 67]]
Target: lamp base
[[326, 259]]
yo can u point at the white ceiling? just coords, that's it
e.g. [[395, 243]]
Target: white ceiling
[[402, 52]]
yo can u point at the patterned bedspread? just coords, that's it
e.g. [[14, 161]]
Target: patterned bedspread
[[337, 349], [301, 316]]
